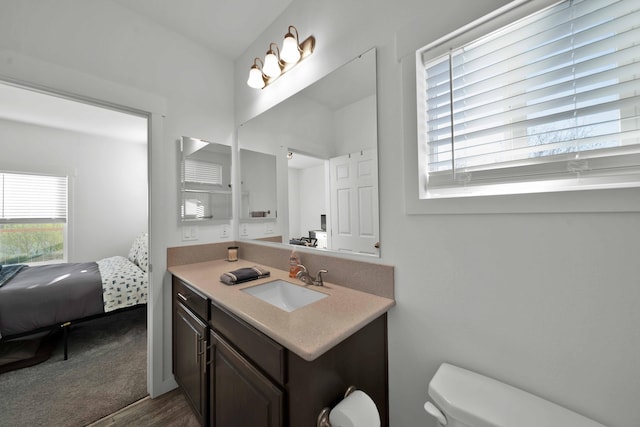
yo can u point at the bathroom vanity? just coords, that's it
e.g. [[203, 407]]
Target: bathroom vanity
[[242, 361]]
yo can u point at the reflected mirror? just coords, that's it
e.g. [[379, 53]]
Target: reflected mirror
[[205, 180], [324, 144], [258, 185]]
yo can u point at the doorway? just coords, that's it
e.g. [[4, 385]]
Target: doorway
[[102, 149]]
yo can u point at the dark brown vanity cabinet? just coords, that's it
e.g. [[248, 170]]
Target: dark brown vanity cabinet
[[247, 375], [190, 332], [240, 395], [251, 380]]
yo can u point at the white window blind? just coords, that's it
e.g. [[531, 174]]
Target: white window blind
[[26, 198], [202, 172], [548, 103]]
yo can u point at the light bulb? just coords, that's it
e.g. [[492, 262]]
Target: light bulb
[[255, 78], [290, 49], [271, 66]]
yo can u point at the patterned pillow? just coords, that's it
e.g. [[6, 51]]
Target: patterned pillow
[[139, 252]]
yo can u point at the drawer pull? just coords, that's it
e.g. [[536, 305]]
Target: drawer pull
[[199, 351], [182, 297], [210, 350]]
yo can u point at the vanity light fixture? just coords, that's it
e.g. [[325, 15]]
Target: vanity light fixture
[[256, 78], [291, 51], [278, 62], [272, 63]]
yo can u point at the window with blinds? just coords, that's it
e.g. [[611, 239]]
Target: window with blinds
[[548, 103], [33, 217], [29, 198], [202, 172]]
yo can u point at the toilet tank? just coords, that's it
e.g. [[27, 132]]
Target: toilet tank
[[470, 399]]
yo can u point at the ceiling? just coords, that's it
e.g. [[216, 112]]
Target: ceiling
[[227, 27], [37, 108], [300, 161]]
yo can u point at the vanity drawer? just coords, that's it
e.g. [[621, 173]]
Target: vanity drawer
[[267, 354], [190, 298]]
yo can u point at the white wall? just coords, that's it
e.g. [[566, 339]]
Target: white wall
[[294, 201], [309, 200], [107, 183], [101, 50], [546, 302], [258, 182], [355, 127]]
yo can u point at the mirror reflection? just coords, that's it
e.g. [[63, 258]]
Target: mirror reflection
[[324, 142], [258, 185], [205, 180]]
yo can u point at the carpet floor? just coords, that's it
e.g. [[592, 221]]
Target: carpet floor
[[106, 371]]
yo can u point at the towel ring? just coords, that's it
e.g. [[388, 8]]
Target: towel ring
[[323, 417]]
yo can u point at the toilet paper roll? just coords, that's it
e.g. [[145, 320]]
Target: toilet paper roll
[[355, 410]]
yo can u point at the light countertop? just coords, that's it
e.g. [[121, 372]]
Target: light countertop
[[308, 331]]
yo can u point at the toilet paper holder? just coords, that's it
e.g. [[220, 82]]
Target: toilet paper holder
[[323, 417]]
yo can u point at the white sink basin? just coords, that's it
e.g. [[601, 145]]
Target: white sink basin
[[285, 295]]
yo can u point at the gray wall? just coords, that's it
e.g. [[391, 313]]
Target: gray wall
[[107, 183], [546, 302]]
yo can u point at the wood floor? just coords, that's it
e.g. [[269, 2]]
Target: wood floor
[[170, 410]]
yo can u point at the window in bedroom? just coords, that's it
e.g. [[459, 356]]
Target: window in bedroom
[[202, 172], [547, 103], [33, 216]]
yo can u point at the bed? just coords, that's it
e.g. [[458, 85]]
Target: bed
[[34, 299]]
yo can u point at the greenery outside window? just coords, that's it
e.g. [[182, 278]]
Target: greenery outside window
[[545, 104], [33, 216]]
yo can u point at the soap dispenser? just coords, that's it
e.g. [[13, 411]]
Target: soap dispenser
[[294, 264]]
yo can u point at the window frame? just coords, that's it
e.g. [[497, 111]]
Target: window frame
[[592, 200]]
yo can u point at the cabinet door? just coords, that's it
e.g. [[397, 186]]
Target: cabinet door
[[189, 354], [240, 395]]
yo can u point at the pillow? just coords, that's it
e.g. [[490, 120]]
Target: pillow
[[139, 252]]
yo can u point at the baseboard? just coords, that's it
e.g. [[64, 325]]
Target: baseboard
[[162, 388]]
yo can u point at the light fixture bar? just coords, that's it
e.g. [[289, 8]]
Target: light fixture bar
[[277, 62]]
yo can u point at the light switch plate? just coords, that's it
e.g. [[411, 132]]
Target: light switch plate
[[190, 232]]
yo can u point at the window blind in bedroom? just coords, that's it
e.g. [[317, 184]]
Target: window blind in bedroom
[[32, 198]]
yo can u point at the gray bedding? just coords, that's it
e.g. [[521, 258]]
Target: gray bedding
[[48, 295]]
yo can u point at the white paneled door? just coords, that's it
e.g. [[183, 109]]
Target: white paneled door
[[354, 202]]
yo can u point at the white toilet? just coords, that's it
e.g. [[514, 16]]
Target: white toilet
[[466, 399]]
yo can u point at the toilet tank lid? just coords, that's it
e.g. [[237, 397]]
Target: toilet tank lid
[[480, 401]]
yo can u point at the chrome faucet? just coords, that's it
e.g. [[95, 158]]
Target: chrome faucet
[[308, 279]]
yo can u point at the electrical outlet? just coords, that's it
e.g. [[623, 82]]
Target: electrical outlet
[[224, 231]]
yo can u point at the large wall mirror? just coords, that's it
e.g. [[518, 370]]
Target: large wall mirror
[[205, 181], [319, 150], [258, 185]]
